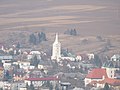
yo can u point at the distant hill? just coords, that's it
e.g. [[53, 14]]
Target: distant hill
[[91, 18], [94, 17]]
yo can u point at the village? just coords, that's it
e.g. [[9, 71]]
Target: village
[[27, 69]]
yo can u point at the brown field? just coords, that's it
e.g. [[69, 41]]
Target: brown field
[[19, 18]]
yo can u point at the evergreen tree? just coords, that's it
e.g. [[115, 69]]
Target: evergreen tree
[[34, 61], [39, 38], [81, 69], [18, 45], [7, 75], [56, 87], [17, 52], [97, 61], [74, 32], [1, 88], [71, 32], [31, 87], [11, 52], [50, 87], [106, 87], [32, 39], [27, 86], [43, 36]]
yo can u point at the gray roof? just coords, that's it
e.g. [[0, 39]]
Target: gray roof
[[5, 57]]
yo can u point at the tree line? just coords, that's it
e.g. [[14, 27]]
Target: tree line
[[37, 38], [71, 32]]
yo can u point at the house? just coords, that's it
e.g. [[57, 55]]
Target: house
[[38, 82], [114, 83], [78, 88], [2, 48], [19, 75], [36, 73], [6, 57], [73, 65], [6, 86], [82, 57], [65, 85], [24, 65], [111, 69], [18, 86], [91, 56], [78, 57], [115, 57], [43, 64], [32, 67], [7, 65], [34, 53], [97, 74], [23, 88], [68, 58]]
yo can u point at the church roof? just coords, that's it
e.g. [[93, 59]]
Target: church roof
[[97, 73]]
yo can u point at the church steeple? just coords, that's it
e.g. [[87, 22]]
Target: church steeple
[[56, 39], [56, 52]]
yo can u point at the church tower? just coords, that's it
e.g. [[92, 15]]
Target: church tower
[[56, 51]]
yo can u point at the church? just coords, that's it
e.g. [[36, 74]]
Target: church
[[56, 51]]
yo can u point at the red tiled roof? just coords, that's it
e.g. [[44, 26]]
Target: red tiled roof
[[113, 82], [97, 74], [43, 79]]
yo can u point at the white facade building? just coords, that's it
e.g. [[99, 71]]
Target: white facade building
[[7, 66], [24, 65], [91, 56], [34, 53], [56, 52], [115, 57]]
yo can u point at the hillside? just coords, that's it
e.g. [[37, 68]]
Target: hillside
[[77, 44], [91, 18]]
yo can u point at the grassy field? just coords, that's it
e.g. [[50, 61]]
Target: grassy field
[[91, 18]]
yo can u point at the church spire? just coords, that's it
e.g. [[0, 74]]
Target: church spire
[[56, 52], [56, 39]]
